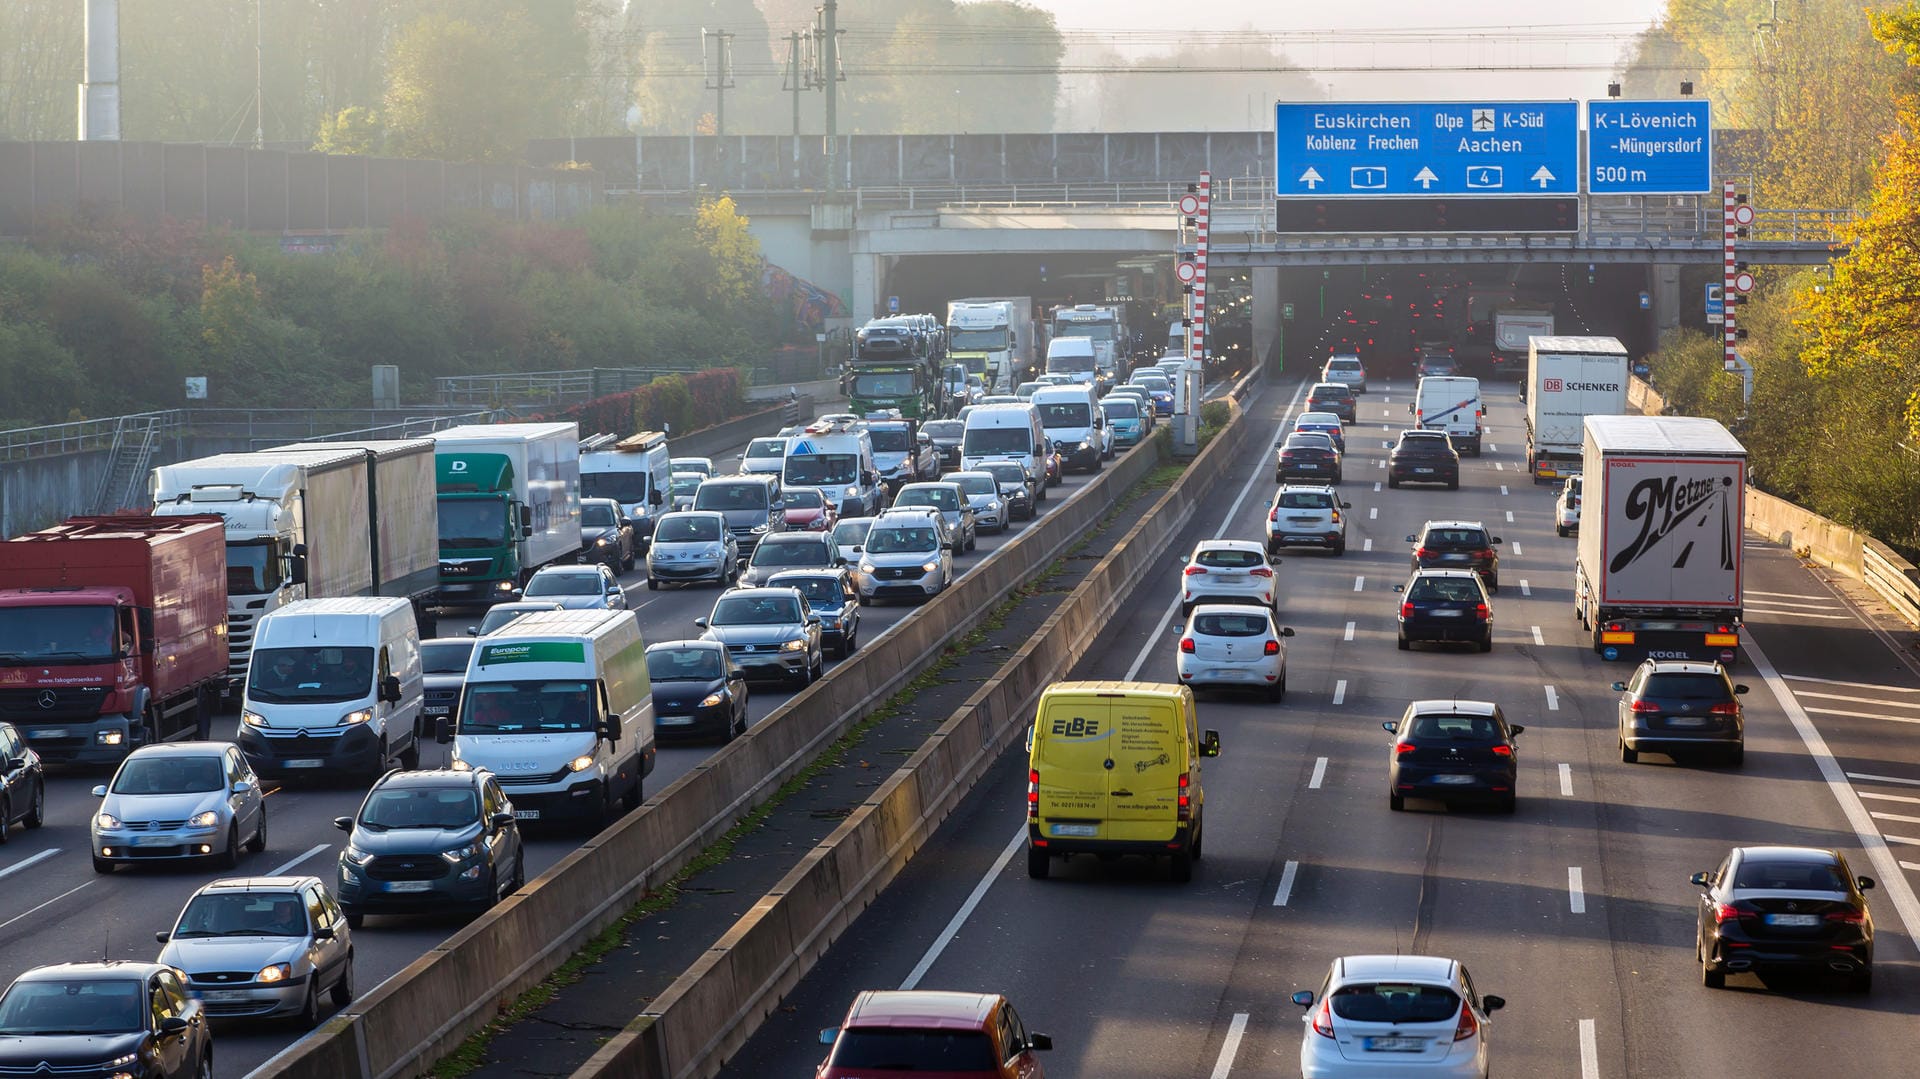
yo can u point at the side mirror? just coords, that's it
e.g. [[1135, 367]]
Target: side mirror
[[160, 937], [701, 622], [345, 824], [1619, 687], [858, 547], [1346, 505], [526, 519], [321, 932], [1739, 689], [173, 1024], [14, 764], [297, 568], [1304, 998], [1701, 880], [610, 730], [443, 729], [517, 591], [526, 531], [500, 820], [100, 790], [1039, 1043], [1399, 588], [1492, 1004], [1286, 631], [1210, 745], [1411, 538], [390, 689], [655, 497], [1864, 883], [241, 786], [1390, 727], [829, 1036], [1516, 729], [1496, 539], [473, 631]]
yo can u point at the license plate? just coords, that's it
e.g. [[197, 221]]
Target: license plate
[[1307, 468], [409, 885], [1446, 613], [1303, 520], [526, 814], [1396, 1045], [48, 732], [1076, 829], [1798, 920], [155, 841], [1686, 721], [438, 709], [222, 996], [1298, 539], [1453, 558], [674, 721], [1453, 781], [302, 764], [1424, 471]]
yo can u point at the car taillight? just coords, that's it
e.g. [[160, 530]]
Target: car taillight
[[1323, 1019], [1503, 751], [1286, 455], [1186, 645], [1260, 571], [1033, 792], [1725, 708], [1272, 648], [1184, 804], [1406, 609], [1481, 610], [1405, 748], [1336, 516], [1850, 917], [1274, 515], [1468, 1025], [1195, 571], [1484, 552], [1645, 706], [1731, 912]]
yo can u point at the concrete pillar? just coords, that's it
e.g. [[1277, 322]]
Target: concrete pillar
[[1663, 280], [869, 275], [1266, 316]]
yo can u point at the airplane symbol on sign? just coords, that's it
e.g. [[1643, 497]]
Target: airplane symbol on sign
[[1483, 119]]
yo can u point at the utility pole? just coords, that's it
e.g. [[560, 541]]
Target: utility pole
[[100, 72], [259, 77], [720, 75], [830, 74], [795, 81]]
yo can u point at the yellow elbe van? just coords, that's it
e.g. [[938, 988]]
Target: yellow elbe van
[[1114, 768]]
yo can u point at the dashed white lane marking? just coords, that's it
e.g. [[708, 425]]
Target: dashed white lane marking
[[1589, 1051], [1566, 780], [1538, 638], [1285, 891], [1910, 865], [1781, 595], [1381, 464], [1319, 774], [1340, 691], [1491, 448], [1516, 548], [45, 905], [1896, 817], [1553, 699], [1871, 778], [1223, 1067], [960, 916], [1376, 486], [1907, 839], [1367, 545], [1503, 488], [1525, 588], [1828, 606], [25, 862], [1509, 516], [1349, 635], [1359, 583], [1861, 715], [1373, 513], [1759, 609], [1576, 890], [1855, 685], [1891, 798], [282, 869]]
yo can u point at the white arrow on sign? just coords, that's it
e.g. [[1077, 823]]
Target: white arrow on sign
[[1542, 177], [1310, 178], [1425, 178]]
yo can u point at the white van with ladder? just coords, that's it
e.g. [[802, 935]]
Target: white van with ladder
[[1450, 403]]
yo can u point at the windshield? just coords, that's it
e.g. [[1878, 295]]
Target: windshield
[[943, 429], [683, 665], [565, 584], [243, 914], [887, 440], [1151, 383], [680, 529], [814, 469], [928, 496], [500, 614], [977, 485], [619, 486], [1305, 500], [883, 384], [731, 496], [990, 340], [701, 465], [1122, 409], [775, 553], [597, 515], [803, 498], [446, 657], [981, 441], [685, 486], [1099, 331], [520, 707], [472, 522], [252, 569], [819, 592], [754, 611], [848, 533], [1069, 365], [1065, 414], [1384, 1003], [99, 1006], [310, 675], [902, 540], [169, 774], [423, 807], [892, 1049], [1790, 876], [1008, 472], [58, 634], [766, 447]]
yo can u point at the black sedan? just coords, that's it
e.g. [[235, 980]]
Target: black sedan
[[23, 784], [1334, 397], [698, 691], [1445, 605], [1453, 751], [1784, 909], [946, 435], [1423, 457], [1306, 455], [1680, 706]]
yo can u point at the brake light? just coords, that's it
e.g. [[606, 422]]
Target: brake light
[[1323, 1019], [1406, 609], [1260, 571], [1481, 611], [1725, 708], [1503, 751], [1185, 802], [1850, 917], [1468, 1025], [1186, 645], [1275, 514], [1484, 552], [1645, 706], [1033, 793], [1730, 912], [1195, 571], [1423, 552], [1405, 748], [1272, 648]]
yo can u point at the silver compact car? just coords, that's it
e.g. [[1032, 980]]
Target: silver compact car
[[907, 556], [578, 588], [983, 494], [849, 533], [1398, 1015], [952, 504], [1231, 646], [263, 947], [691, 546], [768, 632], [179, 801], [1306, 515]]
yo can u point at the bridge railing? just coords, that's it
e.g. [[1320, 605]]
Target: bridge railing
[[77, 436], [546, 387]]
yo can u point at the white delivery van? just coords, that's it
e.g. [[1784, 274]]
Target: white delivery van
[[1072, 418], [1005, 433], [558, 705], [1073, 357], [1450, 403], [636, 472], [334, 688]]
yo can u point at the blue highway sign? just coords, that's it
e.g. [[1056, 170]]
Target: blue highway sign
[[1650, 147], [1439, 149]]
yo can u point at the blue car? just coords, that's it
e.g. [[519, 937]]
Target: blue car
[[830, 594], [1123, 414], [1160, 390]]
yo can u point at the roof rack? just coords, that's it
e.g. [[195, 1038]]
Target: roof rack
[[645, 440]]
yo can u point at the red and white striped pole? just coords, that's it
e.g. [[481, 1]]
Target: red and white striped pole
[[1197, 333], [1727, 293]]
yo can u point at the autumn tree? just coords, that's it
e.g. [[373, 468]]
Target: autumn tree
[[40, 45]]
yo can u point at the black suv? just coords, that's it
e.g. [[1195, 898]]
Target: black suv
[[1307, 455], [1423, 457], [1453, 751], [1673, 706], [1458, 545], [427, 840], [946, 436], [118, 1018], [1334, 397], [1445, 605]]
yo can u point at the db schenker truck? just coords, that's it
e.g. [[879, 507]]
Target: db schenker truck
[[113, 634], [509, 503], [1657, 574], [1569, 379], [314, 520]]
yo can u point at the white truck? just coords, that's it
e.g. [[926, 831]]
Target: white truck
[[509, 503], [993, 337], [1513, 326], [1657, 574], [310, 521], [637, 472], [1104, 325], [1569, 379]]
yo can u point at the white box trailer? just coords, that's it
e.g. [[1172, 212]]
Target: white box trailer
[[405, 542], [1569, 379], [1657, 573]]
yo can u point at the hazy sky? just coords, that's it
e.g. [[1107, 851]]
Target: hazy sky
[[1441, 50]]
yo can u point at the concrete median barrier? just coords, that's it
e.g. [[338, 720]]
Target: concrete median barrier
[[710, 1011]]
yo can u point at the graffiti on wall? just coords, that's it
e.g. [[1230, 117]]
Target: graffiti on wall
[[807, 305]]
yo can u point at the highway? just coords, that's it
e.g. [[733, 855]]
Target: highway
[[1576, 909], [55, 908]]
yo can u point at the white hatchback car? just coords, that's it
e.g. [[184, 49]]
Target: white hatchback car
[[1566, 508], [1401, 1015], [1226, 571], [1234, 647], [1307, 515]]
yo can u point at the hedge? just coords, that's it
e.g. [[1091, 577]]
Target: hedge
[[671, 403]]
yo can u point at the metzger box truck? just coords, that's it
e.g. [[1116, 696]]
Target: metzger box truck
[[1657, 574], [113, 634], [509, 497], [1569, 379]]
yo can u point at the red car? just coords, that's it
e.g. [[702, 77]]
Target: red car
[[807, 510], [921, 1033]]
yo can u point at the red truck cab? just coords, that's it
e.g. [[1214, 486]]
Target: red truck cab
[[113, 634]]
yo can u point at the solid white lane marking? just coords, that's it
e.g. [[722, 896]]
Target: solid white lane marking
[[1589, 1051], [1855, 685], [1871, 778], [1898, 890], [1366, 545], [1509, 516], [1349, 635], [1891, 798], [45, 905], [1781, 595], [1503, 488], [25, 862], [1803, 606], [284, 866], [1319, 774], [1373, 513], [1894, 817], [1516, 548], [1223, 1067], [1553, 699], [1566, 780], [1576, 890], [1758, 609], [1860, 700], [1340, 691], [960, 916], [1285, 890], [1359, 583], [1525, 588], [1537, 637]]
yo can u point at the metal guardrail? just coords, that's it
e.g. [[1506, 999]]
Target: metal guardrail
[[546, 387], [258, 426], [410, 427], [78, 436], [1893, 578]]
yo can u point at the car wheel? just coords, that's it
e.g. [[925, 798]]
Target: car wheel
[[259, 841], [1279, 477], [1186, 610], [1711, 978], [310, 1007], [205, 1070], [653, 583], [853, 643], [626, 564], [102, 865], [38, 814], [6, 815], [355, 921], [1276, 693], [343, 989], [972, 542], [1629, 755], [866, 601], [230, 855], [1737, 756], [1509, 803], [1396, 802], [1561, 532], [1493, 586], [1403, 642], [1392, 484], [1039, 862], [1487, 644], [1453, 485], [1340, 548], [410, 756], [519, 880]]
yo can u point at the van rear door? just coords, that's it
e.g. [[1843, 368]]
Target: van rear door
[[1072, 743], [1149, 754]]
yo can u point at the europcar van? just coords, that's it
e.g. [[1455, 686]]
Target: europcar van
[[1114, 768], [334, 688], [1450, 403], [1005, 433], [558, 705]]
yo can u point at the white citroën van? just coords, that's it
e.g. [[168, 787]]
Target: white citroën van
[[334, 688]]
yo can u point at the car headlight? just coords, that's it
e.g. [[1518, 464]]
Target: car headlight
[[759, 529], [205, 819], [714, 550], [601, 542], [581, 763], [358, 716], [277, 972], [866, 567], [459, 765], [355, 856], [929, 567], [851, 492], [252, 719], [503, 586], [462, 853], [712, 700], [794, 646], [106, 821]]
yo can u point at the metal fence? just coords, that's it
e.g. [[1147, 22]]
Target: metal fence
[[546, 388], [260, 426]]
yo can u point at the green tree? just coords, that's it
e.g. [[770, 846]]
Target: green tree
[[353, 130], [456, 92]]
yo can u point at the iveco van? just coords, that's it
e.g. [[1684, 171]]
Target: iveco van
[[334, 688]]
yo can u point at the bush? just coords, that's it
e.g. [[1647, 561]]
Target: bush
[[677, 404]]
